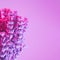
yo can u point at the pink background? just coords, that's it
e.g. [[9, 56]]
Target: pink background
[[42, 37]]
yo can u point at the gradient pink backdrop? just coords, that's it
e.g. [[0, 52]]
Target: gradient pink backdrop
[[43, 33]]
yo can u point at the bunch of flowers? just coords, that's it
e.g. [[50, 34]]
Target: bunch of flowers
[[12, 28]]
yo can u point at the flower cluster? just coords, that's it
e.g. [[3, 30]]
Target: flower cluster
[[12, 28]]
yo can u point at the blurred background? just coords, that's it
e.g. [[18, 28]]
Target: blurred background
[[42, 37]]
